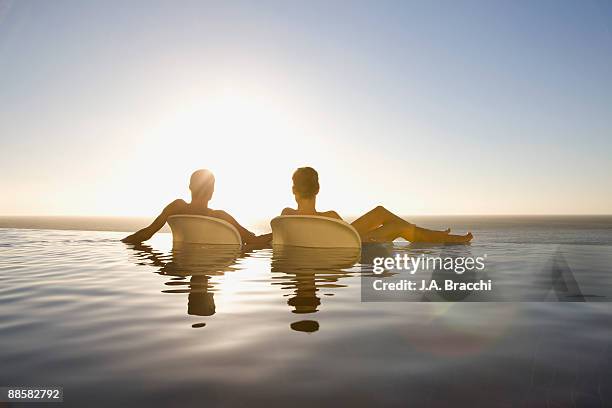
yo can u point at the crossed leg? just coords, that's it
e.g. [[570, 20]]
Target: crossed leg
[[381, 225]]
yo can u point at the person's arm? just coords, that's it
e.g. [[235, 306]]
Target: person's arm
[[146, 233], [261, 239], [247, 236]]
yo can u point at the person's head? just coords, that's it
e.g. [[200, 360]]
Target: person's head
[[305, 183], [202, 185]]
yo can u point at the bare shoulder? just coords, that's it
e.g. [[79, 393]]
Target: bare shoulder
[[175, 206], [288, 211], [224, 215], [331, 214]]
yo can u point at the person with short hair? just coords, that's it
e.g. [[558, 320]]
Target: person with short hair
[[202, 187], [377, 225]]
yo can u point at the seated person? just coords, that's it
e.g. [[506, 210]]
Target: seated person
[[377, 225], [202, 186]]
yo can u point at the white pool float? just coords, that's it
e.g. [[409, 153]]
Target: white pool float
[[313, 231], [199, 229]]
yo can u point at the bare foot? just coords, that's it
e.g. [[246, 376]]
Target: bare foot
[[460, 239]]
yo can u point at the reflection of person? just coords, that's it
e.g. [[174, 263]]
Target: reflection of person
[[377, 225], [197, 262], [202, 186], [306, 271], [200, 302], [305, 299], [306, 326]]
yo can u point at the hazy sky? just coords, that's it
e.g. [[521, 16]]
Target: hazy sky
[[458, 107]]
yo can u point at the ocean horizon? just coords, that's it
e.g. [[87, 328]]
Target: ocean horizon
[[581, 229], [128, 223]]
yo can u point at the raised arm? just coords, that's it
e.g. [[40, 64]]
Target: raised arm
[[146, 233]]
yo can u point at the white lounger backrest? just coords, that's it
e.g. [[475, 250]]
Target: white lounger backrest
[[198, 229], [313, 231]]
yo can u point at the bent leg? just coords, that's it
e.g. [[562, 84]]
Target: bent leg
[[381, 225], [380, 216], [375, 218], [385, 233]]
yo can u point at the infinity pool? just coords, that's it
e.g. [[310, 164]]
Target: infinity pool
[[152, 324]]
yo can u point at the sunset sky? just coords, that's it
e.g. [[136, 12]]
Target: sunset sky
[[437, 107]]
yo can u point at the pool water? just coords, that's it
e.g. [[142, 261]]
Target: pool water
[[194, 325]]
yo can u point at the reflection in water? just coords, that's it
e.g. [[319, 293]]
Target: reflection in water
[[199, 263], [306, 326], [306, 271], [75, 309], [440, 274], [200, 301]]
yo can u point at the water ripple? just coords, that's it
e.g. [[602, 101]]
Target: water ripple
[[195, 324]]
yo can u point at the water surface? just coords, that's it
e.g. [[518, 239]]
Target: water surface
[[158, 325]]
